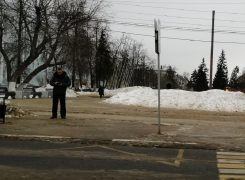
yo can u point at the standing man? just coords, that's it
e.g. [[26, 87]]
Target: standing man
[[60, 81]]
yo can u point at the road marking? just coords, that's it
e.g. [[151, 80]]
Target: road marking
[[231, 161], [232, 177], [171, 161], [230, 157], [232, 171], [231, 153], [179, 157], [176, 163], [146, 157], [231, 165]]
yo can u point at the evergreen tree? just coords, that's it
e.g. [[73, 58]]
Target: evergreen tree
[[241, 81], [193, 81], [103, 64], [201, 81], [234, 78], [221, 76]]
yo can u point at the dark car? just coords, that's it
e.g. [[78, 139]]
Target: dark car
[[4, 91]]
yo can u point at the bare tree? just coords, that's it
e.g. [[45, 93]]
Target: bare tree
[[131, 64], [38, 27]]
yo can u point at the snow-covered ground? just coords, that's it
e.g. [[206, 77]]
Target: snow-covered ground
[[211, 100], [69, 92]]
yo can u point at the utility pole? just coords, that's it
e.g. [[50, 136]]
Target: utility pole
[[157, 50], [211, 54]]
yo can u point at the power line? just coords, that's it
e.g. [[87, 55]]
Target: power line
[[174, 38], [179, 2], [180, 17], [175, 27], [128, 3], [172, 22], [182, 39]]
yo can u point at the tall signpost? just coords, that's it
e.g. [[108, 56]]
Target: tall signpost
[[157, 26], [212, 52]]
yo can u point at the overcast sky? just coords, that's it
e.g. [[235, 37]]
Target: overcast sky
[[184, 19]]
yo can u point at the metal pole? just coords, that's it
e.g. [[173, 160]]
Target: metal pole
[[159, 77], [211, 54], [158, 50]]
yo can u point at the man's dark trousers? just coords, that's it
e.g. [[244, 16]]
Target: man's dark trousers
[[56, 99]]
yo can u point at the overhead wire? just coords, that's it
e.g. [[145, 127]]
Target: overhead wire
[[181, 17], [181, 2], [183, 39], [139, 4], [173, 38], [190, 29], [174, 22], [173, 27]]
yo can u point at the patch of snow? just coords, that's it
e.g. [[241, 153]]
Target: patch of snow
[[211, 100]]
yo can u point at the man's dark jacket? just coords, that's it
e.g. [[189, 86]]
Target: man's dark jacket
[[60, 83]]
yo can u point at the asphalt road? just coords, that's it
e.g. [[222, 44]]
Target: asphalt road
[[46, 160]]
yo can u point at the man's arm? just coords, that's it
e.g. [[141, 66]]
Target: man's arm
[[66, 82], [52, 83]]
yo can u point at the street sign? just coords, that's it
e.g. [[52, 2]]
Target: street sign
[[157, 26]]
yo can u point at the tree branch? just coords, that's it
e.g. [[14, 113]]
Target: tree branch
[[39, 69]]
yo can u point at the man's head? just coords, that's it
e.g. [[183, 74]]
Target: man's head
[[59, 71]]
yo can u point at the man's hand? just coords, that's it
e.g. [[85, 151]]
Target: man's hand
[[58, 83]]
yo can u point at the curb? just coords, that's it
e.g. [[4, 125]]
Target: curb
[[125, 142], [60, 139], [165, 144]]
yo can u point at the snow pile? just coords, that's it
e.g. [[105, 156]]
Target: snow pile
[[82, 93], [212, 100], [7, 102], [108, 92], [15, 111], [71, 93], [41, 89], [44, 88], [48, 87]]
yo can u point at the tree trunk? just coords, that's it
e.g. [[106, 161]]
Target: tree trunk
[[20, 38]]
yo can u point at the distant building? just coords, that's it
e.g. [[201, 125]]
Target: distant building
[[177, 82]]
